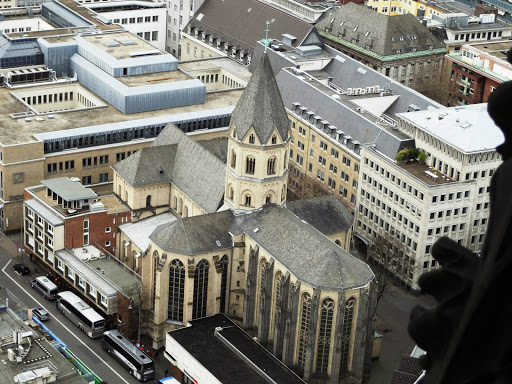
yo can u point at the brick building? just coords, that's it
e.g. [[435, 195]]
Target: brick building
[[477, 70]]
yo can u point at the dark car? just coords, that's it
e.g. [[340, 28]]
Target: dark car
[[21, 269], [41, 313]]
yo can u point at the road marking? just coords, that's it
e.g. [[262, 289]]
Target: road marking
[[58, 321]]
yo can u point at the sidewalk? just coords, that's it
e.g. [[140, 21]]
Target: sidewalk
[[11, 248]]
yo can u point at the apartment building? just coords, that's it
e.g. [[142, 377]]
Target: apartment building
[[335, 105], [417, 203], [477, 70], [208, 35], [400, 46]]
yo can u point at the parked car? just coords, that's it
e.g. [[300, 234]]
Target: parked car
[[21, 269], [41, 313]]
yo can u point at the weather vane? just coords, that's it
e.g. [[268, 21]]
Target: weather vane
[[266, 40]]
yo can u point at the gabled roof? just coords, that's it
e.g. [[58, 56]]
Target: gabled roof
[[302, 249], [327, 214], [176, 158], [242, 22], [261, 106], [384, 35], [148, 166], [195, 235]]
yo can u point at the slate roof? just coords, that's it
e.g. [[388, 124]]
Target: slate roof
[[261, 106], [327, 214], [243, 22], [385, 34], [148, 166], [218, 147], [195, 235], [176, 158], [303, 250], [205, 340], [307, 253]]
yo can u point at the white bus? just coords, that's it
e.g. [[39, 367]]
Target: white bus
[[81, 313], [132, 358]]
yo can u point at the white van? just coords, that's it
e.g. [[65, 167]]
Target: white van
[[45, 287]]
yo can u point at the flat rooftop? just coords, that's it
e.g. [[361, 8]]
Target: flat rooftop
[[214, 64], [69, 189], [154, 78], [16, 131], [496, 49], [212, 341], [122, 44], [139, 231], [120, 276], [433, 177], [468, 128]]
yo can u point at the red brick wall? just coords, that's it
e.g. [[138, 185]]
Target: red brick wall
[[98, 222], [178, 375], [487, 89], [27, 196], [130, 318]]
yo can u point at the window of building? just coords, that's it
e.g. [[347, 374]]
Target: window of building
[[200, 289], [347, 332], [250, 165], [304, 327], [176, 290], [271, 166], [324, 339]]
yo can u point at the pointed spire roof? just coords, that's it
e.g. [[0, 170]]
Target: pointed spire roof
[[261, 105]]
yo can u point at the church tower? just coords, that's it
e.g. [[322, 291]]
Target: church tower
[[258, 145]]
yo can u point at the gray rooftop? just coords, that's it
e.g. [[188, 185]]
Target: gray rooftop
[[327, 214], [44, 212], [139, 231], [176, 158], [69, 190], [117, 274], [384, 34], [195, 235], [468, 128], [247, 20], [261, 106], [307, 253], [218, 146]]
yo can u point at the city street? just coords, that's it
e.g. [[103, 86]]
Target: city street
[[392, 321], [87, 350]]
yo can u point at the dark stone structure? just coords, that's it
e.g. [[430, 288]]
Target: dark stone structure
[[467, 335]]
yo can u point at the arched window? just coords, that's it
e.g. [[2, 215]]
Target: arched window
[[285, 158], [176, 290], [324, 339], [268, 199], [119, 191], [251, 138], [155, 267], [148, 201], [278, 284], [200, 289], [248, 200], [338, 242], [233, 158], [185, 211], [305, 318], [223, 282], [180, 205], [347, 333], [175, 203], [283, 193], [231, 192], [271, 166], [250, 165], [125, 195], [274, 139]]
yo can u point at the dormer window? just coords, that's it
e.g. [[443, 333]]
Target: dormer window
[[251, 139], [274, 139]]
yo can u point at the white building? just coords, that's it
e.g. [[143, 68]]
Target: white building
[[22, 23], [146, 19], [446, 196], [179, 14]]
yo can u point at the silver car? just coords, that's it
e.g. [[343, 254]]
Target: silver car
[[41, 313]]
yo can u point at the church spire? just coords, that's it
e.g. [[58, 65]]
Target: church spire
[[261, 106]]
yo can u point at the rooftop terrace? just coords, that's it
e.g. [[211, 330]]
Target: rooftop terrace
[[425, 173]]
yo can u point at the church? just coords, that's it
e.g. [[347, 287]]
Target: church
[[231, 243]]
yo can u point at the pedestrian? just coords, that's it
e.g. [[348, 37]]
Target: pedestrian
[[150, 352], [166, 373]]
